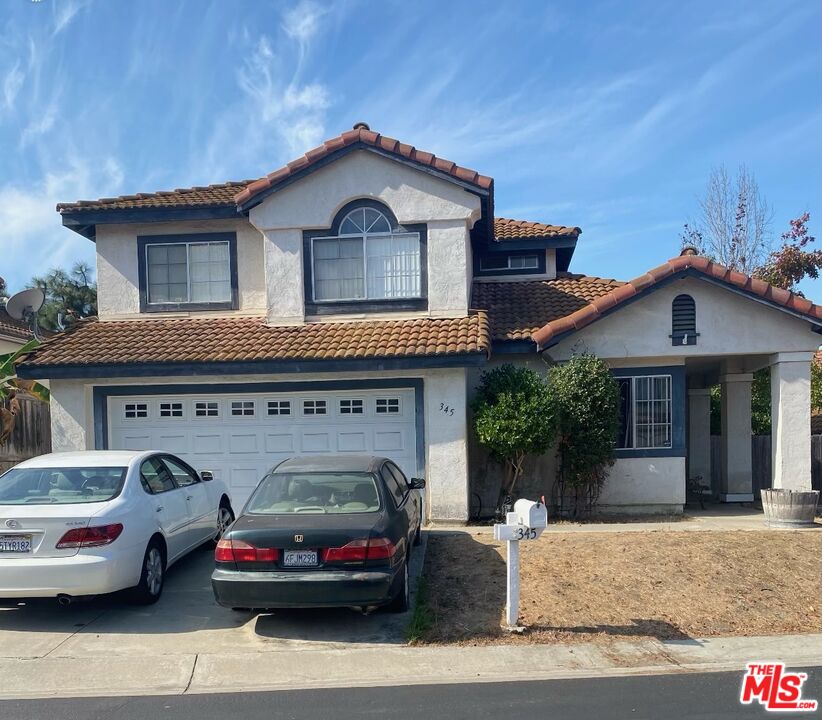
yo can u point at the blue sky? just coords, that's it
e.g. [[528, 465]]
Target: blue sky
[[606, 115]]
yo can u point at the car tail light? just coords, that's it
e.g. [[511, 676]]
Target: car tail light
[[360, 550], [90, 536], [229, 550]]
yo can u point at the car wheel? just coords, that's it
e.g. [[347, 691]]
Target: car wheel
[[402, 600], [152, 577], [225, 516]]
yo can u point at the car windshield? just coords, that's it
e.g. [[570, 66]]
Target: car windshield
[[60, 485], [321, 492]]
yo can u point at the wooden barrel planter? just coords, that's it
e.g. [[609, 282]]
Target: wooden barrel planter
[[789, 508]]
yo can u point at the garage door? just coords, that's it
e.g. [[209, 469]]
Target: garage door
[[240, 437]]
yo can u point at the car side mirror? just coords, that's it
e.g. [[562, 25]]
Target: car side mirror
[[206, 475], [417, 483]]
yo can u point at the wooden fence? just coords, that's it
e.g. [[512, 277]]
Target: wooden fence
[[31, 435], [761, 461]]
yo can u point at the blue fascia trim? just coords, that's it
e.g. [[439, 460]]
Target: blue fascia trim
[[513, 347], [91, 372], [679, 398], [504, 246], [689, 273], [101, 394], [84, 222]]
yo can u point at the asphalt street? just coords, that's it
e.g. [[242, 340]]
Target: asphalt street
[[656, 697]]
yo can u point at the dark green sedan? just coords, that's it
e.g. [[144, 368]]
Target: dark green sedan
[[322, 531]]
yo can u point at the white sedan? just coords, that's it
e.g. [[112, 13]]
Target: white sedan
[[88, 523]]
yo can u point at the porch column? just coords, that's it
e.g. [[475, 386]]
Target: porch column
[[791, 420], [737, 477], [699, 435]]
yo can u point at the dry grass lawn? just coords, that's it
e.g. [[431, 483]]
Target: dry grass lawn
[[596, 586]]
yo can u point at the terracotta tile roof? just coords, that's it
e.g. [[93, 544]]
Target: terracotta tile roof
[[507, 229], [206, 196], [236, 193], [518, 309], [363, 135], [11, 328], [244, 339], [594, 310]]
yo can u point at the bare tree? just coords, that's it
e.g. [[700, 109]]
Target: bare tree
[[734, 224]]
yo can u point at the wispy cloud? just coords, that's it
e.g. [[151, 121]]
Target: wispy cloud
[[64, 12], [12, 82]]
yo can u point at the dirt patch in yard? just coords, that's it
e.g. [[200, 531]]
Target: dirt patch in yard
[[599, 586]]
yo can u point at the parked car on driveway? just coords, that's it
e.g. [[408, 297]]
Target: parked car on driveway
[[88, 523], [324, 531]]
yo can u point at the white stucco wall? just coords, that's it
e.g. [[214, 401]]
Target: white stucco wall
[[412, 195], [117, 277], [9, 346], [446, 454], [727, 323], [644, 485]]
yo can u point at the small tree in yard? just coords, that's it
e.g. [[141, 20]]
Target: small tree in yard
[[513, 417], [587, 402]]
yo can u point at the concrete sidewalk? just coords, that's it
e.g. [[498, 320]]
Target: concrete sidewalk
[[284, 668]]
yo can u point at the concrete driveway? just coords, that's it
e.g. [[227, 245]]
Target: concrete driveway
[[187, 621]]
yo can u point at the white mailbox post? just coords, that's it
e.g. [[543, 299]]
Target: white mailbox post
[[527, 522]]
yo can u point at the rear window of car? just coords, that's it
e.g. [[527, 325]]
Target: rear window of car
[[326, 492], [60, 485]]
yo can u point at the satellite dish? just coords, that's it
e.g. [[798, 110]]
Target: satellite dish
[[25, 306]]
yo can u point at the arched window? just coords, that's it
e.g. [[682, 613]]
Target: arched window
[[683, 321], [369, 258]]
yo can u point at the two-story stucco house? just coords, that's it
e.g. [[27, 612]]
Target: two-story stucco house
[[348, 303]]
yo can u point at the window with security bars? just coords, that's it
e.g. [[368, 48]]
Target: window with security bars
[[387, 406], [171, 409], [645, 412], [188, 272], [683, 321], [206, 409], [242, 408], [132, 411], [351, 407], [366, 261], [315, 407], [279, 407]]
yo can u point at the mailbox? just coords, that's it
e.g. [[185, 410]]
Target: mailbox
[[531, 514]]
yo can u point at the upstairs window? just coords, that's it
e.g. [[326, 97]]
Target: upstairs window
[[188, 273], [367, 260], [683, 321], [509, 262]]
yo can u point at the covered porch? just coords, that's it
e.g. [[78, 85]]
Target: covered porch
[[727, 470]]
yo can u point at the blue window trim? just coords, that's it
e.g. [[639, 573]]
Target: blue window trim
[[102, 393], [144, 240], [678, 399], [364, 306]]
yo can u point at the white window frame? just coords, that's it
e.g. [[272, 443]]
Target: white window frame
[[350, 410], [279, 408], [314, 407], [365, 237], [508, 267], [206, 416], [388, 410], [189, 301], [174, 406], [243, 408], [146, 407], [652, 425]]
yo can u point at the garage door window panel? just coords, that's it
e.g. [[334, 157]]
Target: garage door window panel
[[387, 406], [279, 407], [206, 409], [171, 409], [135, 411], [243, 408], [352, 406], [315, 407]]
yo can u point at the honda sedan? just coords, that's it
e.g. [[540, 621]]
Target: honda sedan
[[88, 523], [325, 531]]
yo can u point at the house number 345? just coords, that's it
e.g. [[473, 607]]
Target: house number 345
[[447, 409]]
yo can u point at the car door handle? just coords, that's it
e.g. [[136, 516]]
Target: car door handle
[[159, 508], [189, 497]]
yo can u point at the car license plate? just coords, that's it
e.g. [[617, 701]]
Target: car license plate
[[299, 558], [15, 543]]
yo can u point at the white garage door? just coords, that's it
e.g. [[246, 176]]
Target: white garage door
[[240, 437]]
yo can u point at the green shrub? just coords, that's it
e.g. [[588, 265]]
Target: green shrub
[[586, 397]]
